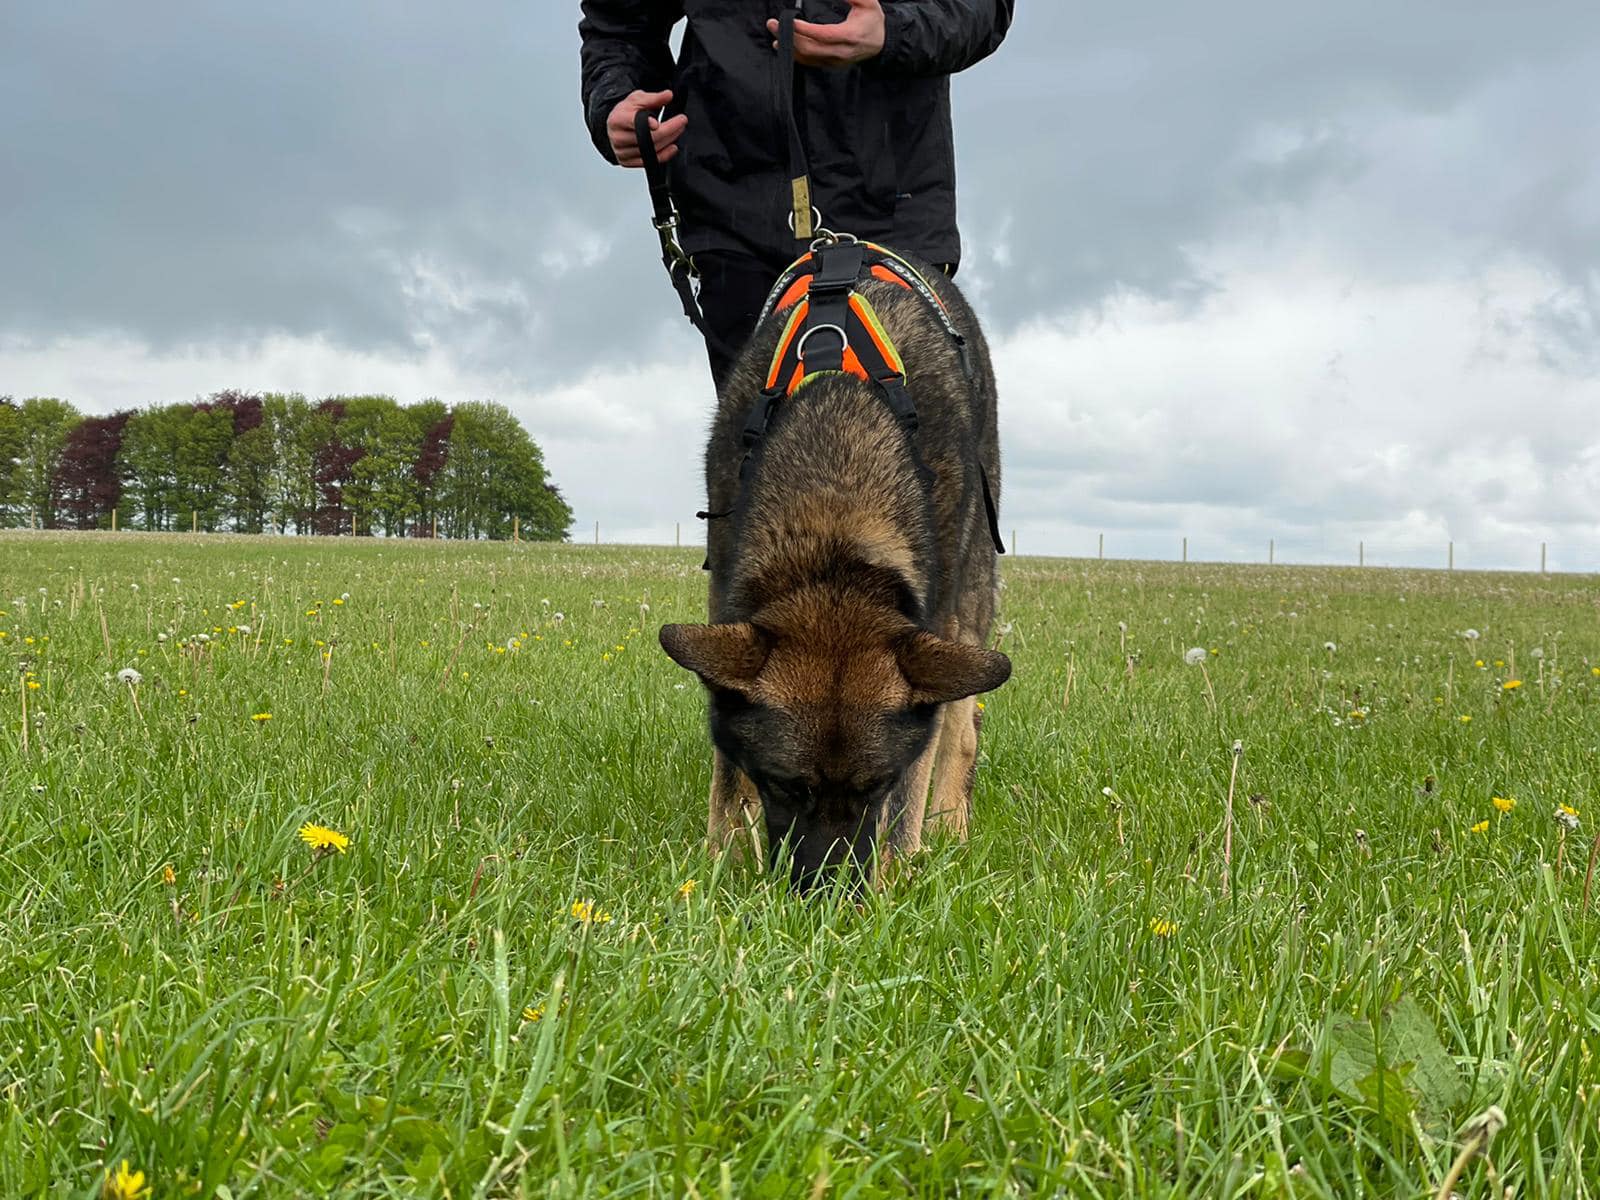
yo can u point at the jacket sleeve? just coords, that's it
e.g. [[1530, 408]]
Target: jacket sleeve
[[625, 48], [941, 37]]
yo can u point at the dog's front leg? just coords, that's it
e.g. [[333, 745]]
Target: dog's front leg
[[956, 765], [908, 802], [735, 809]]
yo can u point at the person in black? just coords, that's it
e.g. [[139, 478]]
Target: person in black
[[875, 123]]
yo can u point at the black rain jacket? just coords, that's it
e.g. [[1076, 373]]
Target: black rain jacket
[[878, 136]]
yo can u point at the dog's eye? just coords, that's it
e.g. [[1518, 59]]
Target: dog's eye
[[790, 791]]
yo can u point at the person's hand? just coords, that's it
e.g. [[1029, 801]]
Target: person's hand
[[856, 39], [665, 135]]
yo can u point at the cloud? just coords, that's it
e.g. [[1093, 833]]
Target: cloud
[[1322, 274]]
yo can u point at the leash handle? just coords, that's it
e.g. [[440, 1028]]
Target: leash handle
[[789, 97], [654, 173]]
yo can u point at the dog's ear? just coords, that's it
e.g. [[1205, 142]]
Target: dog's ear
[[724, 656], [940, 671]]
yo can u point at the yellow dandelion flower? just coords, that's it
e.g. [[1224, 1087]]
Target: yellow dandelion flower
[[1504, 803], [168, 875], [4, 635], [27, 641], [182, 692], [1499, 662], [260, 718], [126, 1184], [320, 837], [1162, 927], [1481, 827], [605, 658], [33, 685], [1569, 810], [1595, 671], [1511, 685], [980, 705], [687, 887], [338, 603], [1478, 663], [534, 1012], [1465, 719], [1358, 714], [423, 643], [586, 913]]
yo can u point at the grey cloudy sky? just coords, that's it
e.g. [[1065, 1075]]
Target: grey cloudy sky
[[1252, 270]]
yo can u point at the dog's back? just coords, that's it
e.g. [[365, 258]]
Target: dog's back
[[852, 590], [835, 459]]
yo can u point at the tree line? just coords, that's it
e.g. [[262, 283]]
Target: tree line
[[250, 463]]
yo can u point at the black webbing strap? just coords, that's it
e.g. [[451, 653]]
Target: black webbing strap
[[789, 99], [664, 217], [825, 336]]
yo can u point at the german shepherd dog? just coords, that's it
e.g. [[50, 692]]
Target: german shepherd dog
[[852, 590]]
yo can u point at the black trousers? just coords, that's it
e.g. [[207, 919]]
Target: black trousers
[[733, 287]]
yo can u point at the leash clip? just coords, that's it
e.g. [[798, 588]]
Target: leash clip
[[667, 230]]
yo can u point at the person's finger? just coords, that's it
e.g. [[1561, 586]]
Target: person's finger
[[811, 53], [832, 34], [652, 99], [667, 132]]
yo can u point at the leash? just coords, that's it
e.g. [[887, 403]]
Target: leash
[[789, 100], [664, 219]]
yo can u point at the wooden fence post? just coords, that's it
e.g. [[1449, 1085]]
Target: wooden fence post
[[597, 533], [1361, 554], [1450, 563], [1185, 549], [516, 530], [1102, 545], [1013, 543], [1272, 551], [113, 520], [677, 533], [194, 520], [1543, 555]]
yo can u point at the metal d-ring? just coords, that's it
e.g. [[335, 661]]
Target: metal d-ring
[[816, 218], [828, 237], [844, 339]]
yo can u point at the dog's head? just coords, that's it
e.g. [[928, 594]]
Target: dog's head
[[825, 720]]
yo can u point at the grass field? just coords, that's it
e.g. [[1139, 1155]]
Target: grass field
[[524, 976]]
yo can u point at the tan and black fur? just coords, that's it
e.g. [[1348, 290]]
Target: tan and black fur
[[852, 591]]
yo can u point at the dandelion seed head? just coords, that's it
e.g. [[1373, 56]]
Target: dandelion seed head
[[130, 677], [1194, 656]]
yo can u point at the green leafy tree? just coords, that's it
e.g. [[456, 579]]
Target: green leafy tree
[[494, 476], [294, 431], [10, 461], [37, 432]]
